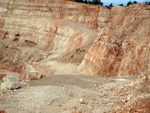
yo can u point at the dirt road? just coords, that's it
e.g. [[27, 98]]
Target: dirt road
[[70, 94]]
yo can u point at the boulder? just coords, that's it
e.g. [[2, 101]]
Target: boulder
[[32, 73], [9, 83]]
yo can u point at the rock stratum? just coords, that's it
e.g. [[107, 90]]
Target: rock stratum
[[41, 37]]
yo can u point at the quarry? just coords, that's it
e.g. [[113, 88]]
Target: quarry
[[60, 56]]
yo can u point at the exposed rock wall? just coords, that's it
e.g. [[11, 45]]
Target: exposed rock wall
[[30, 30], [123, 47], [108, 42]]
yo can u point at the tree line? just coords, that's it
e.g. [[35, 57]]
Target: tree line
[[98, 2], [95, 2]]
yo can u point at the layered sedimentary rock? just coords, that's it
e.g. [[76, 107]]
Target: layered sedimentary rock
[[31, 30], [102, 41]]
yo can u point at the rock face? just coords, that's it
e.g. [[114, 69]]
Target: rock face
[[102, 41], [123, 47]]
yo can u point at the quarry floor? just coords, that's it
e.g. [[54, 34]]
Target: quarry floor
[[76, 94]]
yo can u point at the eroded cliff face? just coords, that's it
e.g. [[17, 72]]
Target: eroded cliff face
[[102, 41], [123, 47]]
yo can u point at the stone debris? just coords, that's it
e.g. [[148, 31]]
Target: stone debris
[[82, 101], [76, 111], [2, 111], [85, 99], [144, 77]]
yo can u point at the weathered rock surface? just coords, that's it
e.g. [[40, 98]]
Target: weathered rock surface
[[9, 82], [103, 42]]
